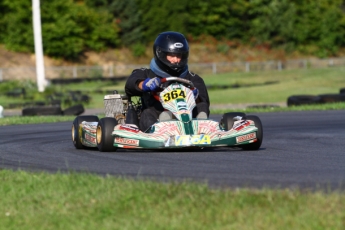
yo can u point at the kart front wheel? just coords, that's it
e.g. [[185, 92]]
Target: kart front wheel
[[227, 121], [259, 134], [76, 132], [105, 140]]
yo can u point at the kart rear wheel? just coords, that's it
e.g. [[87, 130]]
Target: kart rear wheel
[[75, 129], [227, 121], [259, 134], [105, 141]]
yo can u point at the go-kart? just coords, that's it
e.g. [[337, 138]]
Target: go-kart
[[119, 127]]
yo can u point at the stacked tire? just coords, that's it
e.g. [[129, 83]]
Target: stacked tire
[[296, 100], [42, 111]]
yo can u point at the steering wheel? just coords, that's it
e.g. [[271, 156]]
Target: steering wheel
[[185, 82]]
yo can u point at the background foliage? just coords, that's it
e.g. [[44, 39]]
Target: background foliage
[[72, 27]]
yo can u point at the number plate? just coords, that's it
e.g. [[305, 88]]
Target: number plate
[[175, 94], [187, 140]]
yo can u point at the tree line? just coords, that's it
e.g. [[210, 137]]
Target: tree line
[[71, 27]]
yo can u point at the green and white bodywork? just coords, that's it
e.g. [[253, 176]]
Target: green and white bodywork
[[181, 131]]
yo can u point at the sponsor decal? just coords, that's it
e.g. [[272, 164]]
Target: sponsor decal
[[185, 140], [90, 138], [126, 141], [241, 125], [129, 128], [176, 86], [246, 137], [178, 45]]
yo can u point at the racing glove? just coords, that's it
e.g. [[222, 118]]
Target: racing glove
[[196, 93], [151, 84]]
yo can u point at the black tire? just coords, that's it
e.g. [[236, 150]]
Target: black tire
[[42, 110], [74, 110], [259, 135], [342, 91], [75, 129], [331, 98], [105, 141], [227, 121], [303, 100]]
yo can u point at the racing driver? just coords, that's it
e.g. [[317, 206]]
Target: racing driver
[[170, 51]]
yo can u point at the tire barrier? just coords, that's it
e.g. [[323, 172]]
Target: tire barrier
[[42, 111], [319, 99], [74, 110], [331, 98], [303, 100]]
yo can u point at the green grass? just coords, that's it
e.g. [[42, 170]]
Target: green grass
[[287, 83], [83, 201], [253, 87], [20, 120]]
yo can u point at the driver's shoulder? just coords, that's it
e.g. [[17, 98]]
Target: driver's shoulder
[[141, 71], [192, 75]]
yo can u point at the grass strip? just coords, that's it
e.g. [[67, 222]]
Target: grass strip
[[84, 201], [20, 120]]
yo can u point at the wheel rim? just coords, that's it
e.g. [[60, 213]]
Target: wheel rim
[[99, 134], [73, 133]]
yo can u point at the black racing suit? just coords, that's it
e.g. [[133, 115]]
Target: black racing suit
[[152, 107]]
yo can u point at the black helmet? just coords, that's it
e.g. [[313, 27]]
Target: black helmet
[[171, 42]]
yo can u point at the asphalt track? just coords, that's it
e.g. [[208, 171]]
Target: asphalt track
[[304, 150]]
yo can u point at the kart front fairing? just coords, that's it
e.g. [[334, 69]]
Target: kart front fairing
[[183, 131]]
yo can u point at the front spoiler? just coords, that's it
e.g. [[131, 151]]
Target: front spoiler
[[171, 135]]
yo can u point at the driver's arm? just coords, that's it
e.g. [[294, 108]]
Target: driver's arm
[[134, 83], [140, 85]]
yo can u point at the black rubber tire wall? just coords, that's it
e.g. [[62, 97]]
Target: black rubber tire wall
[[74, 110], [42, 110], [303, 100]]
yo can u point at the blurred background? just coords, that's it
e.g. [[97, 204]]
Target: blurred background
[[98, 39]]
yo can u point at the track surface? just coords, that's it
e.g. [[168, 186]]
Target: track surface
[[300, 149]]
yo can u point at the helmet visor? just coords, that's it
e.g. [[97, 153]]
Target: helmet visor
[[173, 59]]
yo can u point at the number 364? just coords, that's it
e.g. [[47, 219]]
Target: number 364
[[175, 94]]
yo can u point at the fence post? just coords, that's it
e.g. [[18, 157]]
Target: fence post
[[280, 66], [305, 64], [331, 62], [247, 67], [1, 75], [75, 74], [111, 71], [214, 68]]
